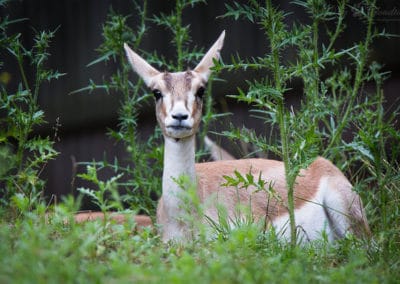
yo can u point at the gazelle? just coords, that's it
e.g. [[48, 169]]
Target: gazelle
[[324, 200]]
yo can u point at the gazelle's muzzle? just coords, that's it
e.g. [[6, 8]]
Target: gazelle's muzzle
[[179, 123]]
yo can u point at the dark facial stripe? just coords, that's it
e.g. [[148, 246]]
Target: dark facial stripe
[[168, 80], [188, 79]]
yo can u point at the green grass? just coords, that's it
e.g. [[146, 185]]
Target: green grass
[[33, 251]]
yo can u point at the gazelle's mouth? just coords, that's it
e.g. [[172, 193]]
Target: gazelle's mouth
[[179, 127], [178, 131]]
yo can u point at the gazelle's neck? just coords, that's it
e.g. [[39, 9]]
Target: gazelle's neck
[[179, 160]]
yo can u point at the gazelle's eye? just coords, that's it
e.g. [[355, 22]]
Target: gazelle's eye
[[157, 94], [200, 92]]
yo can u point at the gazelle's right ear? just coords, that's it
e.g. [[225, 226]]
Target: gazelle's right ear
[[141, 67]]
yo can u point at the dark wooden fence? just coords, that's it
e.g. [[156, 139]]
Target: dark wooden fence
[[84, 117]]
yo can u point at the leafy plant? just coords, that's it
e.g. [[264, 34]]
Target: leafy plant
[[23, 153], [106, 197], [143, 158], [335, 100]]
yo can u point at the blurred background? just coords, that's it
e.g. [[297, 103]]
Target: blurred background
[[82, 119]]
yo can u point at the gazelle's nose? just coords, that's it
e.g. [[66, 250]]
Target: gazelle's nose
[[180, 116]]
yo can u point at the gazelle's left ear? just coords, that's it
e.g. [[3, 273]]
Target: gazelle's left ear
[[213, 53]]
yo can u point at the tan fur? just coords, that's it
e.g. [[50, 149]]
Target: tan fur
[[210, 178], [140, 220]]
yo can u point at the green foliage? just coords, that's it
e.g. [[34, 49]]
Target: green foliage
[[181, 38], [23, 154], [100, 196], [334, 103], [145, 159]]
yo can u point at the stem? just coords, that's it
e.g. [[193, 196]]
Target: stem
[[339, 25], [315, 57], [281, 115], [289, 177], [21, 70], [24, 129], [142, 26], [379, 157], [357, 81], [178, 34]]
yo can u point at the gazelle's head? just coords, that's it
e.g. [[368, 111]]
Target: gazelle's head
[[178, 95]]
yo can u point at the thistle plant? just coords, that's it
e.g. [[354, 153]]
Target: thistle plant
[[332, 104], [23, 153]]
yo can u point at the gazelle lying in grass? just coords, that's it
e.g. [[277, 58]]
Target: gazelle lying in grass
[[324, 200]]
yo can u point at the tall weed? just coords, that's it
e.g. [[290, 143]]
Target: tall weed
[[23, 153], [340, 117]]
